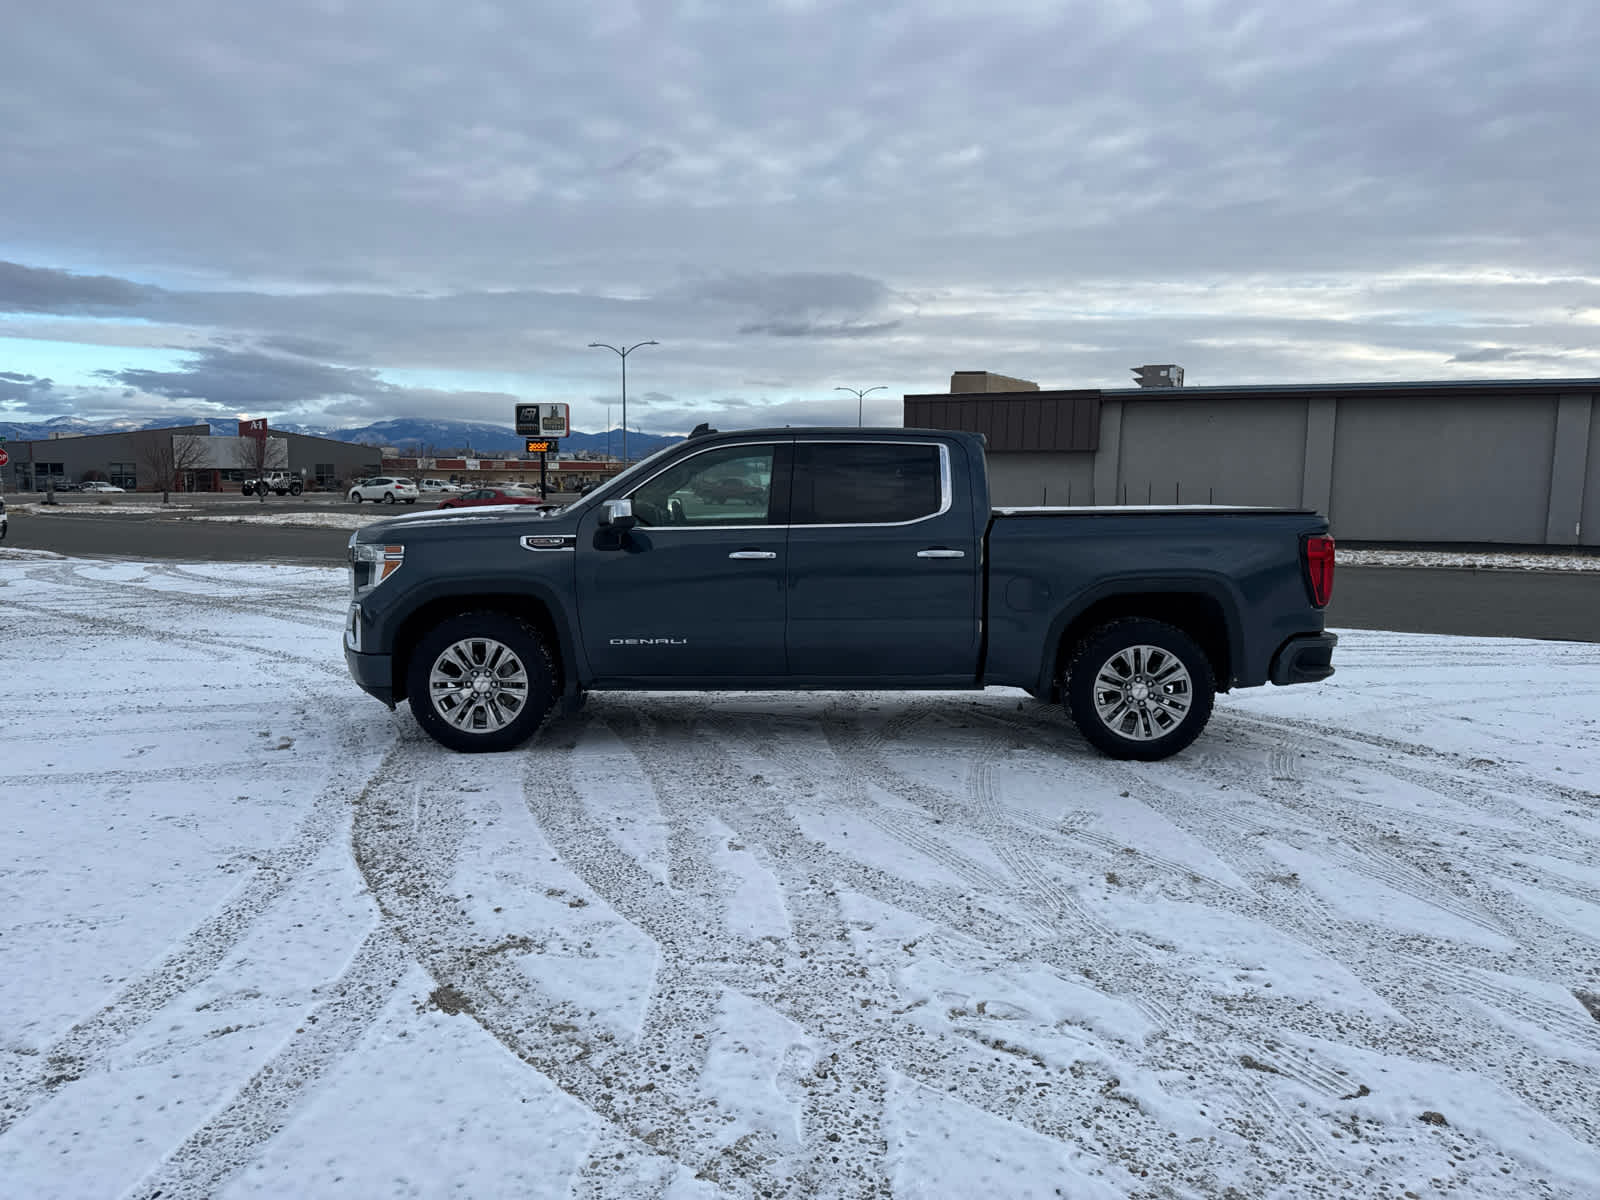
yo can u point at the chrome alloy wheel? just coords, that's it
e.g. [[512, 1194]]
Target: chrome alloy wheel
[[478, 685], [1143, 692]]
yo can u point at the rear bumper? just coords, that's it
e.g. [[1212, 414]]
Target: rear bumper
[[374, 673], [1307, 658]]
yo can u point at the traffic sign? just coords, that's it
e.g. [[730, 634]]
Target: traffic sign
[[4, 457]]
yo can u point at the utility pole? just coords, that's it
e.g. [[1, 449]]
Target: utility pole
[[860, 395], [622, 353]]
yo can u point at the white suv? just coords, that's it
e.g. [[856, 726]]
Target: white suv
[[387, 488], [438, 486]]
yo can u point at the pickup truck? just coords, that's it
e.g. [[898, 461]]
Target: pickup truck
[[870, 560]]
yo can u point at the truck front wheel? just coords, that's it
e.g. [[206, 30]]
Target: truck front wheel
[[1140, 689], [481, 681]]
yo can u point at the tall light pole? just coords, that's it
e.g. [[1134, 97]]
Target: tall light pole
[[623, 353], [860, 395]]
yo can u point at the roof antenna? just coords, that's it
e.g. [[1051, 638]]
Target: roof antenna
[[702, 430]]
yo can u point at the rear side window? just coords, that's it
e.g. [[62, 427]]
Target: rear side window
[[865, 483]]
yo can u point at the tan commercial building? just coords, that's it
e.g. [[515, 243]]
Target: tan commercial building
[[1515, 462]]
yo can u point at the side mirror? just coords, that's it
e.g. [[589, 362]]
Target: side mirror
[[617, 515]]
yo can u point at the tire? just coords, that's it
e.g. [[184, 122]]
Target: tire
[[520, 669], [296, 488], [356, 496], [410, 501], [246, 489], [1137, 652], [388, 497]]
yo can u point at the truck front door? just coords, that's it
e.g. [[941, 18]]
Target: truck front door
[[884, 570], [696, 590]]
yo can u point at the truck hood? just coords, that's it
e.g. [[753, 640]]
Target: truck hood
[[454, 522]]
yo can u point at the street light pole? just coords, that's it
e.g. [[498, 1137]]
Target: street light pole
[[860, 395], [623, 353]]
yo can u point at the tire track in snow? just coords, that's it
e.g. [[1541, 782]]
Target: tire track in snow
[[103, 625], [847, 790], [407, 857], [85, 1047], [1000, 1079], [232, 1137]]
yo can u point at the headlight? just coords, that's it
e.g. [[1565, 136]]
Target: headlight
[[371, 564]]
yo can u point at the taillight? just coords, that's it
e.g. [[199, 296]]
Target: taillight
[[1319, 569]]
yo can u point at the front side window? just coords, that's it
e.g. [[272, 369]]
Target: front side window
[[866, 483], [728, 486]]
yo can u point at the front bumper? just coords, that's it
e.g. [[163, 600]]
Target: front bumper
[[374, 673], [1306, 658]]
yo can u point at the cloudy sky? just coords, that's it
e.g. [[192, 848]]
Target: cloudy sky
[[337, 212]]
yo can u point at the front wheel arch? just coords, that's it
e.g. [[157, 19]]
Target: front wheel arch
[[530, 609]]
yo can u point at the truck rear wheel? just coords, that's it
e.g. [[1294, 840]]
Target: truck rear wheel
[[481, 681], [1139, 689]]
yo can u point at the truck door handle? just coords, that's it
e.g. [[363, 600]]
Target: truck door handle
[[753, 554], [941, 552]]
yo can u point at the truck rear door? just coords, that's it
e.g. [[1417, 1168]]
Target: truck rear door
[[883, 564]]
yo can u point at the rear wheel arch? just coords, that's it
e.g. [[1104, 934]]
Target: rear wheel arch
[[1206, 614]]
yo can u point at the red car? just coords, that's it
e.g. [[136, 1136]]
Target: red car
[[499, 495]]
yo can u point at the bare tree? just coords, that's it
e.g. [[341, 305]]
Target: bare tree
[[167, 456], [255, 456]]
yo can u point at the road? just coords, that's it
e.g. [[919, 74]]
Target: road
[[1533, 604]]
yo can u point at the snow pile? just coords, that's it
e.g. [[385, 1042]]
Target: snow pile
[[1477, 560], [258, 936]]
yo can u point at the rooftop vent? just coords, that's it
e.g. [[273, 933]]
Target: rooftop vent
[[1156, 375]]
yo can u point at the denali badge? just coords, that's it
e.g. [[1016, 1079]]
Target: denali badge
[[649, 641]]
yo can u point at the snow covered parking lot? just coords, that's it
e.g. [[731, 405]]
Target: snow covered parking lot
[[258, 936]]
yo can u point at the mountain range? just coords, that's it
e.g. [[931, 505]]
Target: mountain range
[[437, 437]]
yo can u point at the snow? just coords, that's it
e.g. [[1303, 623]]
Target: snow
[[259, 936], [1477, 560]]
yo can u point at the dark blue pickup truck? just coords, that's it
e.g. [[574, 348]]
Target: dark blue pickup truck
[[834, 559]]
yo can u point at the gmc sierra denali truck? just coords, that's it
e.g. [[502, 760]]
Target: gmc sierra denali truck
[[834, 559]]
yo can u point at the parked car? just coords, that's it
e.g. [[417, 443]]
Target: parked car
[[387, 488], [873, 559], [437, 487], [494, 495], [96, 485], [2, 520]]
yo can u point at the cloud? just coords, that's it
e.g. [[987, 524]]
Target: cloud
[[819, 329], [1490, 354], [17, 388], [802, 194], [45, 290]]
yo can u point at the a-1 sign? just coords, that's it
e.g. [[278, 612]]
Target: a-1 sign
[[545, 420]]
